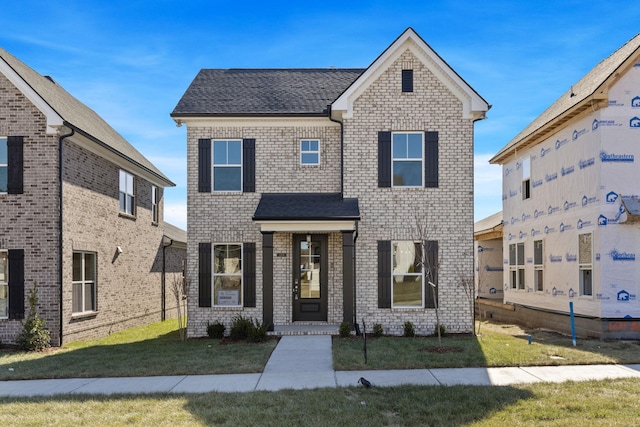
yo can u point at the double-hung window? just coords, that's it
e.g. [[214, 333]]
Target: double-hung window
[[84, 282], [227, 274], [4, 166], [4, 285], [407, 159], [516, 265], [309, 152], [408, 276], [526, 178], [154, 204], [538, 267], [585, 264], [227, 165], [127, 193]]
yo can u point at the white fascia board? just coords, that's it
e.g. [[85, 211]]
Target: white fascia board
[[474, 107], [267, 121], [115, 158], [306, 226], [54, 121]]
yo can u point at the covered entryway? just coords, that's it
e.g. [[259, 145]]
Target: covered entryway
[[305, 227]]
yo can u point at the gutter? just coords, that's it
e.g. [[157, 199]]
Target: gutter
[[163, 303], [60, 219], [341, 150]]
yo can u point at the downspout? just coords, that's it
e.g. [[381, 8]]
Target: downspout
[[163, 304], [60, 218], [341, 150], [355, 287]]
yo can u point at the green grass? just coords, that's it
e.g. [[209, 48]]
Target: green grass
[[593, 403], [497, 345], [144, 351]]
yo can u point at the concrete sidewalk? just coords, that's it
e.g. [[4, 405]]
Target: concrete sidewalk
[[305, 362]]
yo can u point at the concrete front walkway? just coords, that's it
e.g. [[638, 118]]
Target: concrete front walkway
[[305, 362]]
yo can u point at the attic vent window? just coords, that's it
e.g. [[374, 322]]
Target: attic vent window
[[407, 80]]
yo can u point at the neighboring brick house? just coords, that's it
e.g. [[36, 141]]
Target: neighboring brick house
[[82, 214], [304, 186], [570, 197]]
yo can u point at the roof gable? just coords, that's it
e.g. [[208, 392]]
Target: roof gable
[[474, 105], [62, 109], [590, 92]]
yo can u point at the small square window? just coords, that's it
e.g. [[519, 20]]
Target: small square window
[[227, 165], [309, 152]]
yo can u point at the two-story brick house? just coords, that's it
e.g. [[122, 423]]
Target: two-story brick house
[[82, 215], [307, 187], [570, 205]]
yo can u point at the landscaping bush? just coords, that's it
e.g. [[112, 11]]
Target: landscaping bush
[[215, 330], [442, 328], [240, 328], [34, 335], [409, 330], [344, 330], [258, 332], [377, 330]]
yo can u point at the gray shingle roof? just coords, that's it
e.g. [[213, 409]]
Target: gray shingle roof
[[79, 116], [585, 88], [305, 91], [306, 206]]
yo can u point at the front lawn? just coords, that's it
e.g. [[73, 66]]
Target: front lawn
[[144, 351], [496, 345]]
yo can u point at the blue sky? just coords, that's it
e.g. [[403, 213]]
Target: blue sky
[[132, 60]]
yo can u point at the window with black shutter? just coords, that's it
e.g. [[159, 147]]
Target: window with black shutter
[[407, 80], [204, 275], [384, 274], [16, 283]]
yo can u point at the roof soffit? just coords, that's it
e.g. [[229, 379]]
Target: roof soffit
[[474, 106], [54, 121]]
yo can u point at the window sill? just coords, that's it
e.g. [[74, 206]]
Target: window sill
[[405, 309], [227, 308], [127, 216], [83, 316]]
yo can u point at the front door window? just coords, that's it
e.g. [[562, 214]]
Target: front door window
[[310, 277]]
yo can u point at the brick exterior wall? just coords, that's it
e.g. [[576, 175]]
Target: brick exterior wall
[[129, 285], [387, 213], [30, 221]]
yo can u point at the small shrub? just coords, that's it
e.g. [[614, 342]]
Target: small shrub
[[215, 330], [442, 328], [258, 332], [409, 330], [344, 330], [377, 330], [240, 328], [34, 335]]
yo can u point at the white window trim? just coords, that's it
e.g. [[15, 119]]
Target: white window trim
[[310, 152], [421, 274], [6, 283], [132, 208], [155, 211], [214, 166], [214, 275], [4, 139], [84, 282], [422, 160], [517, 268]]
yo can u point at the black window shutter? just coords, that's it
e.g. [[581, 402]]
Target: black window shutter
[[204, 275], [249, 165], [16, 283], [384, 274], [431, 159], [384, 159], [249, 274], [431, 270], [407, 80], [204, 165], [15, 157]]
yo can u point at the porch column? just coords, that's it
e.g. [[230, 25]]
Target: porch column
[[267, 279], [347, 278]]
